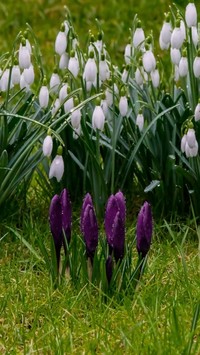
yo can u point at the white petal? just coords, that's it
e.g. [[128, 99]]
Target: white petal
[[196, 67], [61, 43], [64, 60], [149, 62], [76, 118], [24, 57], [47, 146], [140, 121], [138, 37], [29, 75], [191, 138], [73, 66], [15, 75], [123, 106], [197, 112], [191, 15], [98, 118], [44, 97], [177, 38], [183, 67], [57, 168], [54, 82]]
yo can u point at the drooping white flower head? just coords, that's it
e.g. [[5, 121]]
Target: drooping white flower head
[[138, 37], [197, 112], [104, 71], [183, 29], [175, 55], [5, 80], [196, 66], [64, 61], [44, 95], [77, 132], [15, 76], [90, 70], [98, 118], [191, 15], [140, 121], [56, 107], [163, 45], [183, 143], [125, 74], [24, 55], [183, 66], [69, 105], [57, 166], [195, 37], [47, 145], [176, 73], [29, 75], [128, 53], [76, 118], [73, 65], [61, 41], [123, 106], [23, 84], [63, 93], [104, 106], [166, 32], [148, 60], [140, 76], [177, 37], [191, 137], [155, 78], [54, 82]]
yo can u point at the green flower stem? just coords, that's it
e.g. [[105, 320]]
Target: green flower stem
[[193, 95]]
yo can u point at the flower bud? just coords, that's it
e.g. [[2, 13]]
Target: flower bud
[[15, 76], [44, 96], [54, 82], [60, 43], [57, 166], [123, 106], [98, 118], [144, 229], [177, 38], [140, 121], [29, 75], [197, 112], [47, 146], [183, 66], [73, 66], [196, 67], [149, 62], [138, 38], [24, 57], [191, 15]]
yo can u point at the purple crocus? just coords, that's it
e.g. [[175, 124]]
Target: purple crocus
[[89, 227], [60, 219], [144, 229], [115, 224]]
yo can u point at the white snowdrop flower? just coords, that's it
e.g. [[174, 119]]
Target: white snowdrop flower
[[191, 15], [98, 118], [57, 166], [138, 37], [125, 75], [90, 70], [23, 84], [24, 57], [148, 60], [69, 105], [0, 78], [163, 45], [77, 132], [5, 81], [177, 38], [61, 42], [139, 76], [88, 85], [140, 121], [64, 60], [183, 29], [104, 71], [116, 90], [15, 76], [44, 96], [75, 43], [197, 112], [123, 106], [109, 97], [29, 75], [104, 106], [155, 78], [47, 145], [191, 152], [196, 67], [76, 118], [175, 55], [56, 107], [28, 46], [166, 33], [195, 37], [176, 73], [128, 53], [67, 27], [63, 93], [183, 66], [183, 143], [73, 65], [191, 137], [54, 82]]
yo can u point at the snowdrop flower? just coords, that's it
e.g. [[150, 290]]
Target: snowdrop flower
[[191, 15], [67, 27], [140, 121], [104, 106], [148, 60], [28, 45], [98, 118], [5, 80], [90, 70], [128, 53], [24, 56], [54, 82], [104, 72], [47, 145], [57, 166], [140, 75], [44, 95], [29, 75], [138, 37], [23, 84], [166, 31], [73, 65], [195, 37], [196, 65], [197, 112], [123, 106], [189, 144], [162, 44], [55, 107], [155, 78], [99, 43], [69, 105], [64, 61], [175, 55], [15, 76], [77, 132], [61, 41], [125, 74], [177, 37], [76, 115], [183, 65], [63, 93], [176, 73], [109, 97], [182, 27], [183, 143], [191, 138]]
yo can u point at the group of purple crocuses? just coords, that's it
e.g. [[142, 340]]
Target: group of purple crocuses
[[60, 218]]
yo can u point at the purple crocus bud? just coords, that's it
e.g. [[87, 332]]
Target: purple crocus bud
[[109, 268], [55, 219], [86, 201], [90, 230], [66, 214], [144, 229], [121, 204], [118, 237], [111, 211]]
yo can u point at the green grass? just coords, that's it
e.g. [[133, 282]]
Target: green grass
[[35, 318]]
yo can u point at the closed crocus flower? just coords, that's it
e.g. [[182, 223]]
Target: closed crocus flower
[[86, 201], [191, 15], [140, 121], [15, 76], [89, 227], [73, 65], [57, 166], [44, 95], [183, 66], [175, 55], [144, 230], [54, 82], [29, 75], [47, 145], [90, 70], [98, 118], [64, 61], [24, 56], [177, 37], [155, 78], [138, 37], [61, 41], [149, 62], [197, 112]]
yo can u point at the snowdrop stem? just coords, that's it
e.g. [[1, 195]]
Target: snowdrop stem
[[193, 90]]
